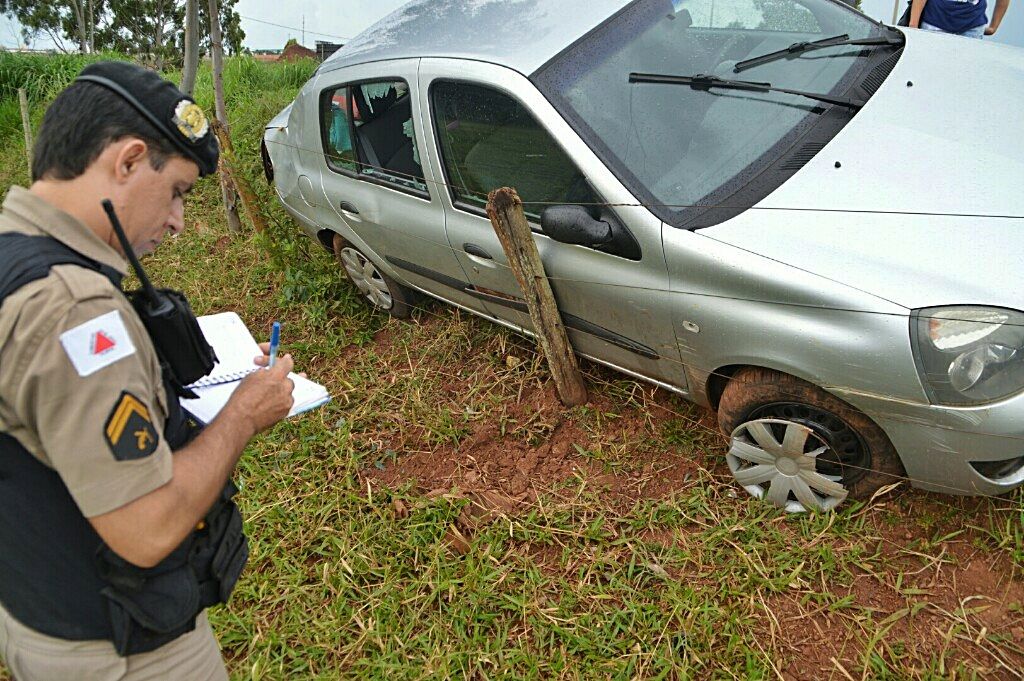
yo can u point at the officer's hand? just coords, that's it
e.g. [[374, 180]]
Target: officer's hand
[[264, 359], [264, 397]]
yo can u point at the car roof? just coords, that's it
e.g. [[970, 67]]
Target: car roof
[[520, 34]]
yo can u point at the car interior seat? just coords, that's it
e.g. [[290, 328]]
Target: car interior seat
[[382, 141]]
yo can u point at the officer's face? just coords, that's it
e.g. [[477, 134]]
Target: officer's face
[[157, 204]]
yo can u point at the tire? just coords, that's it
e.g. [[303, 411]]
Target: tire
[[834, 451], [380, 291]]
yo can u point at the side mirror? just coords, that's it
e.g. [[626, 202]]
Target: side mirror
[[574, 225]]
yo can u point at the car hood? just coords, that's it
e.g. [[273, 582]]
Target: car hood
[[918, 199]]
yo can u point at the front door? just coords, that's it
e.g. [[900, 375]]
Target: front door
[[617, 309]]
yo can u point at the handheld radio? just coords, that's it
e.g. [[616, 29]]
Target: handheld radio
[[169, 319]]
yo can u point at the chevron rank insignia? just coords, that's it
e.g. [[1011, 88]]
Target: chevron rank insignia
[[129, 429]]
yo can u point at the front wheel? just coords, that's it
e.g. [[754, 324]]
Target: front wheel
[[799, 447]]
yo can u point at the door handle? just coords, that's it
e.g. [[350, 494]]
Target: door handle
[[473, 249], [348, 208]]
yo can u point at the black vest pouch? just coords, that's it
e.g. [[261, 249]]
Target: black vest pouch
[[231, 556], [221, 549], [163, 607], [175, 332]]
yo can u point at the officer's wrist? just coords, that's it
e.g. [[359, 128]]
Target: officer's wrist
[[240, 421]]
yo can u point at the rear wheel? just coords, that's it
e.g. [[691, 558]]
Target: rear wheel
[[799, 447], [380, 290]]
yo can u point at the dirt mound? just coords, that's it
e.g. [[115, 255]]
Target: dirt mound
[[510, 467], [295, 52]]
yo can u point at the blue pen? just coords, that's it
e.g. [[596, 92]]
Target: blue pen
[[275, 341]]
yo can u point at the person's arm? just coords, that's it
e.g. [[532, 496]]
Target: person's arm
[[997, 16], [916, 8], [146, 530]]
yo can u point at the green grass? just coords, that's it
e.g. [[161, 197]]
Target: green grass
[[697, 581]]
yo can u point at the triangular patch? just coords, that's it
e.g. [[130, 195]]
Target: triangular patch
[[101, 342], [97, 343]]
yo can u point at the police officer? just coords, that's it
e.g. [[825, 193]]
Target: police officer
[[117, 527]]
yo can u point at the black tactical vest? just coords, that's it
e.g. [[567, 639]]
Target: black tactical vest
[[57, 576]]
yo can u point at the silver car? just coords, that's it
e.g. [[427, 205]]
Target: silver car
[[780, 209]]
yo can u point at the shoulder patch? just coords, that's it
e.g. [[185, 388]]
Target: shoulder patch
[[129, 429], [97, 343]]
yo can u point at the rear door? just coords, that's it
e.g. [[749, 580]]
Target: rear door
[[374, 180]]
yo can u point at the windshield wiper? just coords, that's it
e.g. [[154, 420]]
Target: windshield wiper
[[702, 82], [798, 48]]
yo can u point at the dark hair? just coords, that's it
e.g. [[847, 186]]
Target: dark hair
[[79, 125]]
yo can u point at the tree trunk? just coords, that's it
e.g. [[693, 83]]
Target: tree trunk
[[217, 51], [91, 18], [191, 67], [158, 38], [78, 7]]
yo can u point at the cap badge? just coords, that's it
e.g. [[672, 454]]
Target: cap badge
[[190, 120]]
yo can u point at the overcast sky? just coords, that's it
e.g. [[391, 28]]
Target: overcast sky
[[337, 21]]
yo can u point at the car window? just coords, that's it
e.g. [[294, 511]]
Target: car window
[[368, 130], [338, 130], [488, 140]]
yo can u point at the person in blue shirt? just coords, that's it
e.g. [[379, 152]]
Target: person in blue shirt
[[960, 17]]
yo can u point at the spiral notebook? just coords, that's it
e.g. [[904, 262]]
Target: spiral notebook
[[236, 349], [234, 345]]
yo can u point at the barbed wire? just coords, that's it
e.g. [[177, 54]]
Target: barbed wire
[[648, 206], [703, 294], [916, 421]]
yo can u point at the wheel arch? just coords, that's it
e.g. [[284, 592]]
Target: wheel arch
[[717, 379], [326, 239]]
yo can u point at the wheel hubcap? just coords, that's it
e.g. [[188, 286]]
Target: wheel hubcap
[[367, 279], [777, 460]]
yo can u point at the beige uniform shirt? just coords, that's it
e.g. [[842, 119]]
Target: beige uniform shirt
[[80, 383]]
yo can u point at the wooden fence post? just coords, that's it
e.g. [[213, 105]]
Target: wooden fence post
[[26, 123], [227, 188], [505, 209], [229, 166]]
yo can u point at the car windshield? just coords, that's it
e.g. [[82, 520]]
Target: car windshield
[[679, 146]]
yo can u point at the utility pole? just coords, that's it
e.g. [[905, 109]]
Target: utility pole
[[303, 30]]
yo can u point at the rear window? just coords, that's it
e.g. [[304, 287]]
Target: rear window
[[368, 131]]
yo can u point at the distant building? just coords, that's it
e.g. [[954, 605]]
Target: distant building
[[325, 49]]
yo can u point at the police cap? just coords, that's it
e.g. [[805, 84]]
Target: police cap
[[167, 108]]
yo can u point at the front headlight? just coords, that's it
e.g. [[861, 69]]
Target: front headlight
[[969, 355]]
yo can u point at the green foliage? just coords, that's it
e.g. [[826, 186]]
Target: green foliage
[[70, 23], [152, 30], [145, 27]]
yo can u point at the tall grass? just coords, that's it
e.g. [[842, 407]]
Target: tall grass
[[42, 76]]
